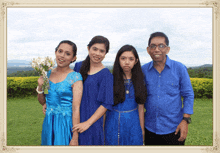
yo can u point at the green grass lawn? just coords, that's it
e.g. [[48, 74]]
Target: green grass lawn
[[25, 118], [200, 130], [24, 121]]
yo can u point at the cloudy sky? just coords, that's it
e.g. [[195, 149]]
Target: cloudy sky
[[33, 32]]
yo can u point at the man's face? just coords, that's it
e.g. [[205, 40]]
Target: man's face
[[158, 49]]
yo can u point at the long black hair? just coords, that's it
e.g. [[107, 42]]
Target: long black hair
[[86, 63], [137, 78], [74, 48]]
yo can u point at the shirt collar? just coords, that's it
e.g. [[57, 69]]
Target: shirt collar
[[168, 63]]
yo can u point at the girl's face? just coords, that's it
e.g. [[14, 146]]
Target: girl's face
[[97, 52], [64, 55], [127, 61]]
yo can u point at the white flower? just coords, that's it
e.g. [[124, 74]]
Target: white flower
[[44, 73], [48, 63], [42, 65]]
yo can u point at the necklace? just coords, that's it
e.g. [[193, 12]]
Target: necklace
[[127, 85]]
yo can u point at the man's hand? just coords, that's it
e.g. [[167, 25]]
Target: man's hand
[[183, 128]]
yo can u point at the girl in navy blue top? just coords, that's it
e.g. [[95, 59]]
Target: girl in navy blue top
[[97, 93]]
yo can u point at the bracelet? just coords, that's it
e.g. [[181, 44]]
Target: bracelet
[[39, 92]]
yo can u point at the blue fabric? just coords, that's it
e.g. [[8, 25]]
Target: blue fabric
[[164, 109], [97, 91], [122, 126], [57, 125], [77, 66]]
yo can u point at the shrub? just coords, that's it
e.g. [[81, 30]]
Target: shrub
[[21, 86], [26, 86], [203, 87]]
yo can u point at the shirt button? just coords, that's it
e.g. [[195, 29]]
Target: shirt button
[[158, 96], [159, 75], [158, 85]]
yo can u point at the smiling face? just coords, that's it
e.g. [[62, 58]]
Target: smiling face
[[127, 61], [97, 52], [158, 55], [64, 55]]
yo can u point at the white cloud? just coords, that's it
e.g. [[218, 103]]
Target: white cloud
[[37, 31]]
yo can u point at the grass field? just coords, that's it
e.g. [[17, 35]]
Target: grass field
[[24, 121], [25, 118], [200, 130]]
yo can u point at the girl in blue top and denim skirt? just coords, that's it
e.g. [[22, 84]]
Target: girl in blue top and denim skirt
[[124, 124]]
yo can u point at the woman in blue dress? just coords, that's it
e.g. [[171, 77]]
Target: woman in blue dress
[[63, 99], [97, 93], [124, 124]]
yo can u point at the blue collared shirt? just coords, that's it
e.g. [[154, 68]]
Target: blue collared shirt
[[164, 106]]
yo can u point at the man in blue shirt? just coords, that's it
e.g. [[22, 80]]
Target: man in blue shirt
[[167, 116]]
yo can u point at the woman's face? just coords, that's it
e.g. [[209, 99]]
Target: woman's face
[[64, 55], [97, 52], [127, 61]]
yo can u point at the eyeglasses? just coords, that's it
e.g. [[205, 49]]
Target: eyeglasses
[[160, 46]]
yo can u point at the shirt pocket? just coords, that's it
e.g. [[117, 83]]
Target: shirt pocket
[[172, 88]]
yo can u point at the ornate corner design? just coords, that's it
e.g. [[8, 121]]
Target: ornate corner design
[[5, 148], [3, 8], [215, 5], [215, 148]]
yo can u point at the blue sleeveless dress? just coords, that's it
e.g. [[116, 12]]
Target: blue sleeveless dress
[[97, 91], [122, 124], [57, 125]]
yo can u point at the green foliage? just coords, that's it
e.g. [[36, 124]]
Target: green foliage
[[24, 73], [21, 86], [202, 87], [194, 72], [25, 86], [201, 72]]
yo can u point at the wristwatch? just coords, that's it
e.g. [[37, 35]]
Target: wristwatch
[[187, 119]]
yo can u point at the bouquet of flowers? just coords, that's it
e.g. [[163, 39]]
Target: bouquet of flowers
[[42, 66]]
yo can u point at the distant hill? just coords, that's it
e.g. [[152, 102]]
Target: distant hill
[[202, 66], [203, 71], [15, 69], [18, 63]]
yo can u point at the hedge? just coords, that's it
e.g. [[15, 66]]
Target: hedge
[[202, 87], [21, 86], [25, 86]]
